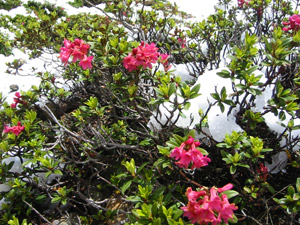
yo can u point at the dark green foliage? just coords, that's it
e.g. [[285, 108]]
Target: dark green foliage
[[87, 151]]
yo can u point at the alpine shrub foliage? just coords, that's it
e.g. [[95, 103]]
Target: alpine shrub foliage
[[87, 152]]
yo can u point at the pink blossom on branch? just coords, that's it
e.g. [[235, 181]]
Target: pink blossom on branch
[[163, 58], [78, 49], [182, 42], [263, 172], [144, 56], [241, 3], [18, 100], [86, 62], [293, 23], [14, 129], [188, 155], [209, 206]]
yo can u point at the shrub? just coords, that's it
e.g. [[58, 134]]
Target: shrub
[[123, 136]]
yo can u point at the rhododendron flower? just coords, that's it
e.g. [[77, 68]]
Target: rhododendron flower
[[18, 100], [263, 172], [208, 206], [164, 60], [65, 55], [188, 154], [141, 57], [241, 3], [78, 49], [15, 129], [77, 55], [86, 62], [225, 188], [182, 42], [294, 23]]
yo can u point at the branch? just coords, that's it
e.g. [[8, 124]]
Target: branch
[[51, 114], [37, 212]]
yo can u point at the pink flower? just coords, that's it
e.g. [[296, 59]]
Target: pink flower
[[77, 55], [78, 49], [68, 44], [194, 195], [182, 42], [129, 62], [207, 206], [86, 62], [226, 211], [164, 61], [263, 171], [15, 129], [188, 154], [84, 48], [189, 141], [65, 54], [18, 100], [241, 3], [141, 57], [177, 152], [185, 159], [198, 159], [227, 187], [294, 23]]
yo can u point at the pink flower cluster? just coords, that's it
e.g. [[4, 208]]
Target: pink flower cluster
[[294, 23], [78, 49], [18, 100], [257, 8], [263, 171], [209, 206], [15, 129], [164, 60], [143, 56], [188, 154], [182, 42], [241, 3]]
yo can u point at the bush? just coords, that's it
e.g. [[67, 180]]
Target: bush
[[111, 136]]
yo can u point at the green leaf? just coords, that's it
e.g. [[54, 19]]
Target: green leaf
[[56, 199], [230, 193], [232, 169], [126, 186], [158, 192], [192, 133], [47, 174], [187, 106], [157, 221], [253, 195], [222, 107], [172, 89], [58, 172], [134, 198], [291, 191], [196, 89], [298, 185], [224, 74], [215, 96], [142, 166]]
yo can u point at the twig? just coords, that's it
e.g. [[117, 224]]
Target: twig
[[61, 126], [244, 214], [37, 212]]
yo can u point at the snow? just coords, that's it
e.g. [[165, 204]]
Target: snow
[[279, 162], [220, 124], [199, 9]]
